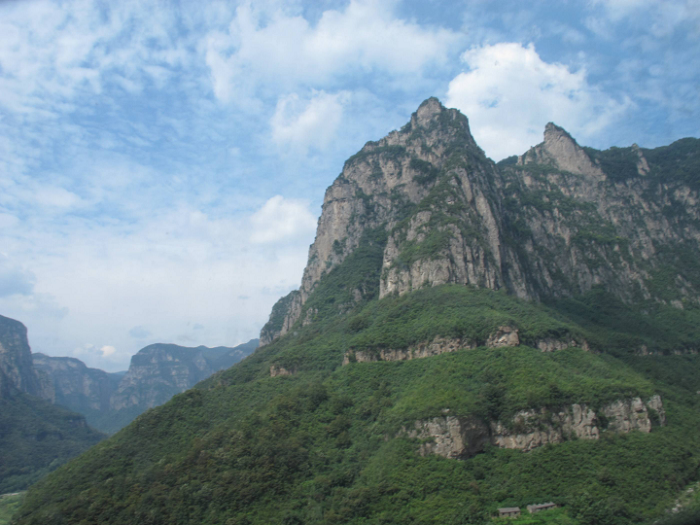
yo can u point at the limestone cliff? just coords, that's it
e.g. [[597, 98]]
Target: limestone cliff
[[554, 222], [70, 383], [16, 369], [159, 371], [454, 437]]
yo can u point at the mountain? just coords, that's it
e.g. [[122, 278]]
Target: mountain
[[555, 223], [72, 384], [156, 373], [159, 371], [467, 336], [35, 436]]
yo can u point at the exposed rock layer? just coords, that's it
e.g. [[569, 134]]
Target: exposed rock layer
[[504, 336], [453, 437]]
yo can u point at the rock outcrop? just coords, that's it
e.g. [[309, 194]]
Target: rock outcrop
[[159, 371], [17, 371], [555, 223], [276, 371], [453, 437], [503, 336]]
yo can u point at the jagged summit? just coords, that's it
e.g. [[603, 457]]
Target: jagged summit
[[561, 150], [432, 209]]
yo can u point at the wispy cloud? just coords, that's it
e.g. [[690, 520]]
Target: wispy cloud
[[262, 49]]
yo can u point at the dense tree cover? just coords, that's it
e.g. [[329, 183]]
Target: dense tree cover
[[325, 445], [8, 506], [36, 437]]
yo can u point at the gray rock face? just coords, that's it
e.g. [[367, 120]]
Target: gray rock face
[[450, 437], [276, 371], [453, 437], [70, 383], [16, 367], [557, 222], [159, 371], [503, 336]]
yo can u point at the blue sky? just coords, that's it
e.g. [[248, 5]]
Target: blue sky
[[163, 164]]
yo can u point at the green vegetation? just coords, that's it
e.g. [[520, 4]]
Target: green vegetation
[[328, 444], [678, 162], [279, 310], [619, 164], [9, 503], [37, 437], [427, 173], [323, 446]]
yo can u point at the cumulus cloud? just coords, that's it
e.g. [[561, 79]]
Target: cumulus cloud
[[281, 220], [300, 125], [509, 94], [264, 47], [107, 350]]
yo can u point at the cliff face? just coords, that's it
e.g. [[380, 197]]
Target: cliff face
[[159, 371], [70, 383], [35, 436], [16, 368], [453, 437], [553, 223]]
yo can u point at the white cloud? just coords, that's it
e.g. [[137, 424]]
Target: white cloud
[[174, 266], [300, 125], [510, 93], [262, 49], [281, 220], [107, 350]]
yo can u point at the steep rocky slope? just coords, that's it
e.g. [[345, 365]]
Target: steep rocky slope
[[159, 371], [435, 363], [553, 223], [70, 383], [16, 369], [35, 436]]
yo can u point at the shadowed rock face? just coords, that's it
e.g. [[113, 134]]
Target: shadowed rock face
[[558, 221], [16, 367], [70, 383]]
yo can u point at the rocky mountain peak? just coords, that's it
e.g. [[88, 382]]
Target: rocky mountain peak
[[424, 206], [560, 150], [429, 111]]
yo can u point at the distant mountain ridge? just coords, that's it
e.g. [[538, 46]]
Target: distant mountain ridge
[[156, 373], [69, 382]]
